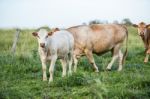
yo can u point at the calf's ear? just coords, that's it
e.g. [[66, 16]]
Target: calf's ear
[[134, 25], [34, 34], [54, 30], [147, 26], [50, 33]]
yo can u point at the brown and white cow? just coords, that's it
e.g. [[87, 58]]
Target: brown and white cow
[[98, 39], [144, 32]]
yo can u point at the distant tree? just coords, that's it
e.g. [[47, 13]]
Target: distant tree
[[126, 21], [95, 22], [98, 22]]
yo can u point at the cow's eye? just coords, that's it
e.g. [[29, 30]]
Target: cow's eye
[[46, 36], [38, 37]]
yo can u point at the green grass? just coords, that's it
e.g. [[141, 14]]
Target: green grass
[[21, 74]]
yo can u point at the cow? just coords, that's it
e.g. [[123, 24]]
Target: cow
[[144, 33], [99, 39], [52, 46]]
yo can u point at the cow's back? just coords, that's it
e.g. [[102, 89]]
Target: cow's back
[[105, 37], [98, 37], [62, 42], [80, 35]]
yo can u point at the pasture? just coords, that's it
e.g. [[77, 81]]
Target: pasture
[[21, 74]]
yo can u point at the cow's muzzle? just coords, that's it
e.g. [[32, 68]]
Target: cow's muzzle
[[141, 34], [42, 45]]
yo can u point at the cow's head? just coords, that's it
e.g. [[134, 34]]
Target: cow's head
[[142, 28], [42, 36]]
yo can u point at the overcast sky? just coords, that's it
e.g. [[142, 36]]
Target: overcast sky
[[66, 13]]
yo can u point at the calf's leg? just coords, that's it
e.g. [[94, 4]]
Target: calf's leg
[[43, 61], [44, 69], [64, 67], [51, 69]]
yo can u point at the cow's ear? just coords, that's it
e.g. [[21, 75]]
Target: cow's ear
[[147, 26], [134, 25], [34, 34], [53, 30], [56, 29], [50, 33]]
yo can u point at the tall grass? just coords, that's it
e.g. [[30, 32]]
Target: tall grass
[[21, 75]]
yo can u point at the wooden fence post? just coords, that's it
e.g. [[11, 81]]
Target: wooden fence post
[[13, 49]]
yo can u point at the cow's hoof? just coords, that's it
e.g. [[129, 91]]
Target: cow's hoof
[[145, 61], [50, 81], [70, 73], [119, 70], [74, 70], [96, 71], [64, 75], [107, 69], [44, 79]]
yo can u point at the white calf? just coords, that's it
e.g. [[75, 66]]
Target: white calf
[[52, 46]]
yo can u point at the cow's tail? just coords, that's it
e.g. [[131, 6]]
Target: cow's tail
[[126, 49]]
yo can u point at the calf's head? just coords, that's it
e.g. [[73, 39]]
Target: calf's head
[[142, 28], [42, 36]]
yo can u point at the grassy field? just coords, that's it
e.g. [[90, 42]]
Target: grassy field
[[21, 74]]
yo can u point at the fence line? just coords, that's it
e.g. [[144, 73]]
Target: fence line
[[16, 38]]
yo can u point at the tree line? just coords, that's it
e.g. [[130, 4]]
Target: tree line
[[125, 21]]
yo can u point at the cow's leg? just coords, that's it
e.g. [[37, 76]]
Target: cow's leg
[[75, 62], [146, 58], [90, 57], [76, 56], [64, 67], [51, 69], [120, 60], [44, 69], [115, 52], [112, 61], [147, 55]]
